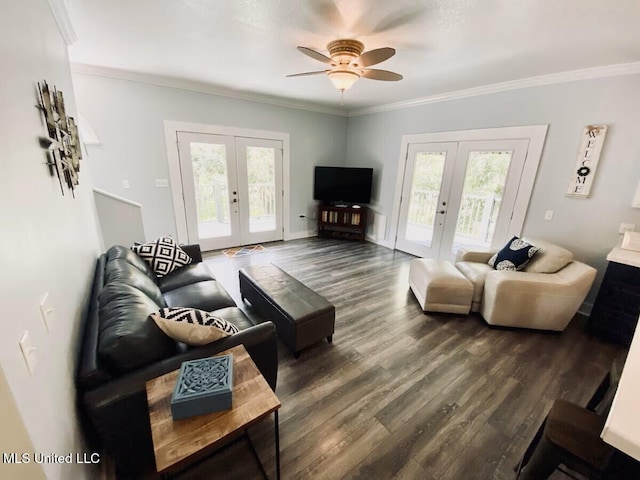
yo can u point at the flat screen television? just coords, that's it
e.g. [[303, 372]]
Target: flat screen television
[[342, 184]]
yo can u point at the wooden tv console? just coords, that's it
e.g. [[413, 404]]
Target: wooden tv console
[[342, 222]]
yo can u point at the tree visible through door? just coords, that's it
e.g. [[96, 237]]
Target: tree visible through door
[[232, 189]]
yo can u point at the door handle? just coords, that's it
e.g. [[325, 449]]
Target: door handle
[[235, 200], [442, 211]]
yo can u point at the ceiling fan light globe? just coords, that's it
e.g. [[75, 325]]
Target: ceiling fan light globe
[[343, 79]]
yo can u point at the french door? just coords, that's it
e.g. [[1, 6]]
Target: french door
[[232, 189], [459, 194]]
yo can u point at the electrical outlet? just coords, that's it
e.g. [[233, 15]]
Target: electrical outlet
[[626, 227], [313, 215], [162, 182]]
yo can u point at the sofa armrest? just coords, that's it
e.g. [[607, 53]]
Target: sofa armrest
[[193, 250], [464, 255], [134, 382], [118, 409]]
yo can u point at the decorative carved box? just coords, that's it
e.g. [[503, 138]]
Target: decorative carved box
[[203, 386]]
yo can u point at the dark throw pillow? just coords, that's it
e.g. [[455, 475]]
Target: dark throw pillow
[[192, 326], [163, 255], [514, 255]]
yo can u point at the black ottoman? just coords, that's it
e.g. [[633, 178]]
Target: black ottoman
[[302, 317]]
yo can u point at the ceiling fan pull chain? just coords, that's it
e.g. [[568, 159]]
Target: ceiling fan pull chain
[[342, 97]]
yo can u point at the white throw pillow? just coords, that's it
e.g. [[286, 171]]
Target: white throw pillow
[[192, 326], [550, 259]]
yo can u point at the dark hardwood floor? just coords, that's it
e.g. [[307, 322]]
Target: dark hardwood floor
[[401, 394]]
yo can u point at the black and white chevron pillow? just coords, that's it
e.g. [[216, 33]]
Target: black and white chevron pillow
[[192, 326], [163, 254]]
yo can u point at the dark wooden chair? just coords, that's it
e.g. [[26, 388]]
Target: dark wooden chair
[[570, 437]]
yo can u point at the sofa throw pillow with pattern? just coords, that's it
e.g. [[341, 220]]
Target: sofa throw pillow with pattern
[[164, 255], [514, 255], [192, 326]]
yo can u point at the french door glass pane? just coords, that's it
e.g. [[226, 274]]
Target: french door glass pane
[[262, 189], [209, 162], [423, 200], [484, 183]]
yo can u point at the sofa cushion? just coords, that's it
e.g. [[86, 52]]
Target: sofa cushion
[[193, 326], [514, 255], [128, 337], [121, 271], [550, 259], [209, 295], [163, 254], [234, 315], [476, 273], [125, 253], [196, 272]]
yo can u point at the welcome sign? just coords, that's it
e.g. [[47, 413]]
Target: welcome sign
[[587, 162]]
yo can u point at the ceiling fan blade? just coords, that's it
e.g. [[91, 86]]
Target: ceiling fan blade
[[386, 75], [308, 73], [395, 20], [315, 55], [373, 57]]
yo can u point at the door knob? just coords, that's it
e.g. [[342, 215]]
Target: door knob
[[235, 200], [442, 211]]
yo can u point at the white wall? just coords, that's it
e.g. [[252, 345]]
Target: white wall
[[120, 220], [17, 441], [49, 242], [128, 118], [587, 227]]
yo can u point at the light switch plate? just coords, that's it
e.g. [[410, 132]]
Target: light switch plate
[[626, 227], [548, 215], [162, 182], [28, 351], [47, 311], [126, 184]]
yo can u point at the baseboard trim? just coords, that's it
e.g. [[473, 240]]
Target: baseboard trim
[[585, 309], [382, 243], [299, 235]]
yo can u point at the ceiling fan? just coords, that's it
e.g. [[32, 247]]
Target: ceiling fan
[[348, 63]]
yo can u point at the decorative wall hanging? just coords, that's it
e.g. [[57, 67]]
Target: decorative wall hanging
[[62, 143], [587, 162]]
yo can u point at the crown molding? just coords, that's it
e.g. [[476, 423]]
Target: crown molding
[[183, 84], [555, 78], [201, 87], [61, 14]]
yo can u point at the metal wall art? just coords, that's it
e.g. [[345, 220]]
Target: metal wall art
[[62, 143], [588, 156]]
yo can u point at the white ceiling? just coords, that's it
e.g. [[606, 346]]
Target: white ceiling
[[442, 45]]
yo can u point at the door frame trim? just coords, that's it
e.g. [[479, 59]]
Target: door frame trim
[[536, 135], [171, 129]]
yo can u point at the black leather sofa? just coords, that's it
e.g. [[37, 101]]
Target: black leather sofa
[[122, 348]]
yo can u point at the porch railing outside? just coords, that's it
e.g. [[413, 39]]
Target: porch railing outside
[[477, 218], [212, 201]]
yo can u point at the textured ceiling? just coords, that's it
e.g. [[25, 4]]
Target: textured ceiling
[[442, 45]]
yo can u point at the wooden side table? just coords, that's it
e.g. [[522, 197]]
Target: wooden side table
[[181, 443]]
